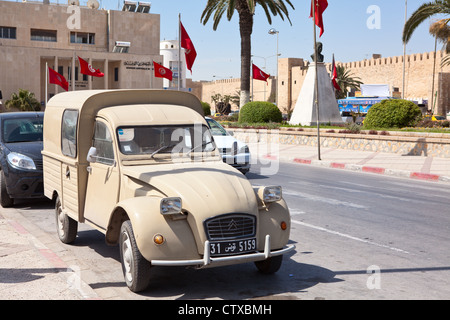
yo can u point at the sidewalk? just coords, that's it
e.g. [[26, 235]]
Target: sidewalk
[[30, 269], [414, 167]]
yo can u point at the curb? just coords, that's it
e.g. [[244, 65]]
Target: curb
[[367, 169]]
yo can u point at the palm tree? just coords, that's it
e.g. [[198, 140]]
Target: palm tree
[[424, 12], [346, 81], [441, 31], [246, 10], [24, 101]]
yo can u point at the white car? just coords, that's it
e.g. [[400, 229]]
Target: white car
[[234, 152]]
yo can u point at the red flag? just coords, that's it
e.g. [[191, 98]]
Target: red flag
[[334, 76], [162, 72], [321, 5], [258, 74], [87, 69], [187, 44], [56, 78]]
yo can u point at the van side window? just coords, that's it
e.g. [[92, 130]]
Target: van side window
[[103, 143], [69, 133]]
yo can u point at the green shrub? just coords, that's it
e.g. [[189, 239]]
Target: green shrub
[[392, 114], [206, 108], [260, 111]]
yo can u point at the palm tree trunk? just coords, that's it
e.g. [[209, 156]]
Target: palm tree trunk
[[245, 28]]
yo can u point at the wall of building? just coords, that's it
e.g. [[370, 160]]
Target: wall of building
[[23, 60]]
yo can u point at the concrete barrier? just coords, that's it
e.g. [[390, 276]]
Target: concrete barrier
[[405, 143]]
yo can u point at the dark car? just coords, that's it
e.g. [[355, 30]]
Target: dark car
[[20, 156]]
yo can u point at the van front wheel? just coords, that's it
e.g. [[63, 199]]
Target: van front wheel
[[67, 228], [136, 269]]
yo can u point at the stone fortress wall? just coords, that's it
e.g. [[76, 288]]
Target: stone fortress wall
[[377, 70]]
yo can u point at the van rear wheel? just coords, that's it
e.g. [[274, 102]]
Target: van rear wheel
[[66, 227], [136, 269]]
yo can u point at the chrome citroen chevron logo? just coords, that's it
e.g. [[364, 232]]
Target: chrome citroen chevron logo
[[232, 225]]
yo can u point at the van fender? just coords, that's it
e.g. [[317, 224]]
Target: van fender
[[147, 222], [271, 218]]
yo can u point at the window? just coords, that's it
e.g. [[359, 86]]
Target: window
[[69, 133], [104, 144], [43, 35], [82, 37], [7, 32]]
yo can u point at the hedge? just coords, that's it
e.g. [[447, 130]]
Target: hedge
[[260, 112], [395, 113]]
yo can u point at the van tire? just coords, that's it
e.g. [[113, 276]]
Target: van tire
[[136, 269], [270, 265], [5, 200], [66, 227]]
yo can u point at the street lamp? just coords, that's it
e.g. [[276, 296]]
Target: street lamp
[[272, 31]]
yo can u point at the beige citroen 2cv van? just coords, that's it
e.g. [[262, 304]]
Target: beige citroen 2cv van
[[141, 166]]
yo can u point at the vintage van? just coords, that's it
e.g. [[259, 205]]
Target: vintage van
[[141, 166]]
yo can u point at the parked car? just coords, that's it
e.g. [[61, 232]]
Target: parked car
[[234, 152], [20, 156], [141, 166]]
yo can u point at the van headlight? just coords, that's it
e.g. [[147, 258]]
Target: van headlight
[[20, 161], [170, 206], [270, 194]]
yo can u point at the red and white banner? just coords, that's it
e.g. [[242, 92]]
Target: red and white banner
[[162, 72], [56, 78], [88, 70]]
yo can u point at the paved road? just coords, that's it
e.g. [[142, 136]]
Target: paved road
[[348, 225], [358, 236]]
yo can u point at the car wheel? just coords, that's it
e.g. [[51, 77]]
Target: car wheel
[[270, 265], [5, 199], [66, 227], [136, 269]]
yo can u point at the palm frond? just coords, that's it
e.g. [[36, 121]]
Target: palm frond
[[424, 12]]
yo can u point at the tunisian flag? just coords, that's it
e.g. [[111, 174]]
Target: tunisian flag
[[56, 78], [258, 74], [87, 69], [187, 44], [334, 76], [162, 72], [321, 5]]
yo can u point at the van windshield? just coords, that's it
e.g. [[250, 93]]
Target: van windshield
[[152, 140]]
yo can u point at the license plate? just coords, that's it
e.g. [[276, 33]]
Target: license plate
[[224, 248]]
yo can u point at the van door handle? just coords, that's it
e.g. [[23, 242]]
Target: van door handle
[[67, 172]]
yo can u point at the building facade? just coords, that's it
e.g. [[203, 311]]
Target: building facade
[[122, 44]]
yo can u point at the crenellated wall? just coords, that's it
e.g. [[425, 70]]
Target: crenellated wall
[[419, 75]]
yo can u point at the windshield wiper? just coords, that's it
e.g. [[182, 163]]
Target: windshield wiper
[[162, 148], [204, 144]]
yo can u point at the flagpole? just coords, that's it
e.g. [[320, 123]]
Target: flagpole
[[179, 50], [316, 83], [73, 71], [251, 75], [46, 83]]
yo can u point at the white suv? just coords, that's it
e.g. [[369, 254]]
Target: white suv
[[234, 152]]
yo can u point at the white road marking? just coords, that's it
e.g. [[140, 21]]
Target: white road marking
[[348, 236]]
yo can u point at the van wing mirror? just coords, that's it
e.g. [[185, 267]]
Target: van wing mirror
[[92, 154]]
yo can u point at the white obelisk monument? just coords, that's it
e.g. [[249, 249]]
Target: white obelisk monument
[[305, 109]]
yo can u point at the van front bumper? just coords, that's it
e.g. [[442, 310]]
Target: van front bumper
[[209, 261]]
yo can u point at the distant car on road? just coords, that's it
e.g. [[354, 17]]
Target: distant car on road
[[20, 156], [234, 152]]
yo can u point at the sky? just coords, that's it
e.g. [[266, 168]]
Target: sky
[[354, 30]]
